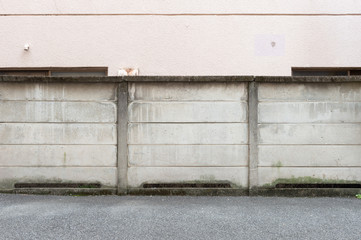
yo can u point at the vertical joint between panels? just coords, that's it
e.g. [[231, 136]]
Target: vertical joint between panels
[[122, 137], [253, 134]]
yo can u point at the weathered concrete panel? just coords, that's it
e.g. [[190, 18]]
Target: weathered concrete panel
[[267, 175], [309, 112], [188, 155], [313, 156], [188, 112], [51, 133], [56, 113], [310, 133], [171, 91], [58, 91], [21, 111], [186, 132], [10, 175], [228, 133], [139, 175], [337, 92], [58, 155]]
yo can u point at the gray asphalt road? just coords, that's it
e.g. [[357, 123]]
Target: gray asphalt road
[[113, 217]]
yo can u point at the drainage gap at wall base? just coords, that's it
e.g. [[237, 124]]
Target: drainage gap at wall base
[[57, 185], [186, 185]]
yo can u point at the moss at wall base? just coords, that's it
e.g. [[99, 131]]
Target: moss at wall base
[[305, 192], [307, 180]]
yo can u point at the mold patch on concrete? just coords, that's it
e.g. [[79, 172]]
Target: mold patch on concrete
[[308, 180]]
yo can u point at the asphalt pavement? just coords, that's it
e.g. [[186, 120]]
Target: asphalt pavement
[[157, 217]]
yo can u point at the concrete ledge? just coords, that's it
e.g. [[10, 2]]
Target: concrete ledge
[[189, 79], [126, 79], [268, 79], [189, 191], [31, 79], [305, 192], [290, 79]]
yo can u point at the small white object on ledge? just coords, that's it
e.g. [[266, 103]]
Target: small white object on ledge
[[128, 72]]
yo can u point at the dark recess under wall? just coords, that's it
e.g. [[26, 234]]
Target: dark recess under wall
[[57, 185], [186, 185]]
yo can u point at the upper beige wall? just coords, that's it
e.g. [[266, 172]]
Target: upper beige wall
[[179, 6], [178, 37]]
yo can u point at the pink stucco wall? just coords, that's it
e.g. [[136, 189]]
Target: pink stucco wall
[[182, 37]]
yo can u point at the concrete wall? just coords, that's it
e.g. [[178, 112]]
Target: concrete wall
[[309, 131], [182, 37], [57, 132], [249, 132], [186, 132]]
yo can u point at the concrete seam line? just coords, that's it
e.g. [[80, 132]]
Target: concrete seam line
[[253, 134], [122, 137]]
